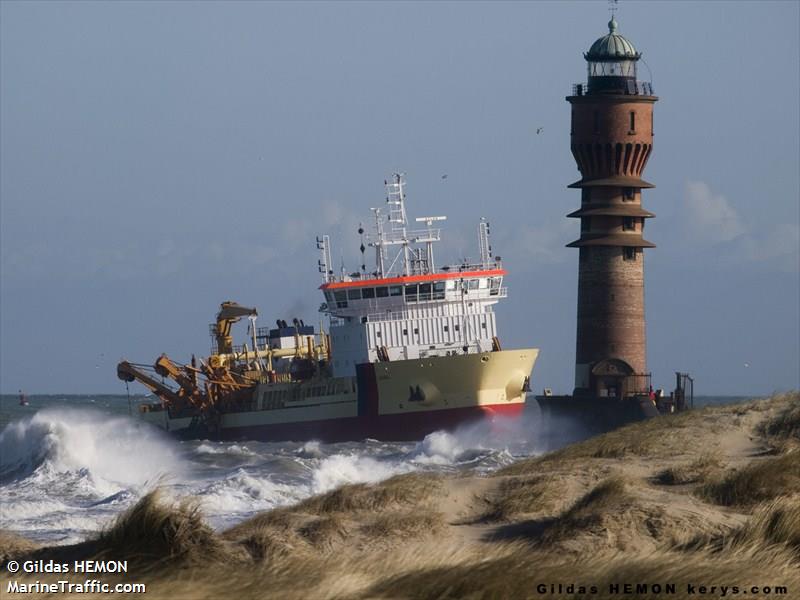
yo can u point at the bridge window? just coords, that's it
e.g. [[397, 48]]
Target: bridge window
[[329, 296], [446, 328], [382, 292], [341, 299], [395, 290], [368, 293], [424, 291], [473, 284], [438, 290], [354, 294], [494, 286], [411, 293]]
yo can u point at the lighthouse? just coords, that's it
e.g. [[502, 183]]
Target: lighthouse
[[611, 141]]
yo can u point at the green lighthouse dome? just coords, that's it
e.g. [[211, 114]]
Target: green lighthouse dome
[[612, 46]]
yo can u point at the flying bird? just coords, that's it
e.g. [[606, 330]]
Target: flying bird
[[444, 176], [539, 130]]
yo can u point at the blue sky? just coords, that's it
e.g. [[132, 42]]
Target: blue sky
[[159, 158]]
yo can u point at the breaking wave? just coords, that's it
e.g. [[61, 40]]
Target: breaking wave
[[112, 451]]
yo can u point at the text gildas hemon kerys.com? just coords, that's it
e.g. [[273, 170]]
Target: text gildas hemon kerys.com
[[682, 590]]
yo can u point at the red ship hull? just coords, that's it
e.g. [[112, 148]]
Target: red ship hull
[[390, 428]]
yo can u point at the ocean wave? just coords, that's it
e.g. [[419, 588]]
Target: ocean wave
[[114, 452]]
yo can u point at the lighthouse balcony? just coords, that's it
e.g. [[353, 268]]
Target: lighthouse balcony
[[617, 85]]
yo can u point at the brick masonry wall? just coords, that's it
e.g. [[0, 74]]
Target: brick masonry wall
[[611, 322]]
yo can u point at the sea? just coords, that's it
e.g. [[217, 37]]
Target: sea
[[70, 464]]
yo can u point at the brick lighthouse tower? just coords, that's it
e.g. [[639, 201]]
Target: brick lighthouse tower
[[612, 138], [611, 141]]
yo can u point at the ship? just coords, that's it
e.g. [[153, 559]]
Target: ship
[[402, 350]]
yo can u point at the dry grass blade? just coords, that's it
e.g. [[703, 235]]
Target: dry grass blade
[[155, 530], [696, 471], [519, 495], [757, 482], [411, 524], [785, 426], [401, 489]]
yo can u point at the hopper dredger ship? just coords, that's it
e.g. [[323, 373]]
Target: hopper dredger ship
[[409, 349]]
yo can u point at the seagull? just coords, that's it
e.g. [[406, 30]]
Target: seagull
[[539, 130], [444, 176], [746, 365]]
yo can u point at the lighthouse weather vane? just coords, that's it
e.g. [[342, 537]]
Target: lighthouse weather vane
[[613, 5]]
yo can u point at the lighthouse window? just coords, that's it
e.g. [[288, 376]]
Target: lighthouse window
[[438, 290], [596, 122], [586, 223], [629, 253], [629, 194], [368, 293], [411, 293], [354, 294], [586, 195], [633, 121], [628, 224], [382, 292], [395, 290]]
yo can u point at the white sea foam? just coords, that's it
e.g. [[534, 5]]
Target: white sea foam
[[438, 448], [341, 469], [222, 448], [311, 449], [242, 492]]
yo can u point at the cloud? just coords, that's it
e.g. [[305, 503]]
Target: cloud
[[781, 246], [711, 217], [544, 244]]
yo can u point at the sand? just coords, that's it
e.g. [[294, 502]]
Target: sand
[[706, 498]]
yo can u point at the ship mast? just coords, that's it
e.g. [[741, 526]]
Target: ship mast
[[398, 235]]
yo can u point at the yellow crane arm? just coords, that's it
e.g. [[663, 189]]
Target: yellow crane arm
[[229, 313]]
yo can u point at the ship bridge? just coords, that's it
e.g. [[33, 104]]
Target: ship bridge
[[406, 308]]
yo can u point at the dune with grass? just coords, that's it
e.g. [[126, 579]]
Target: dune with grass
[[705, 498]]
